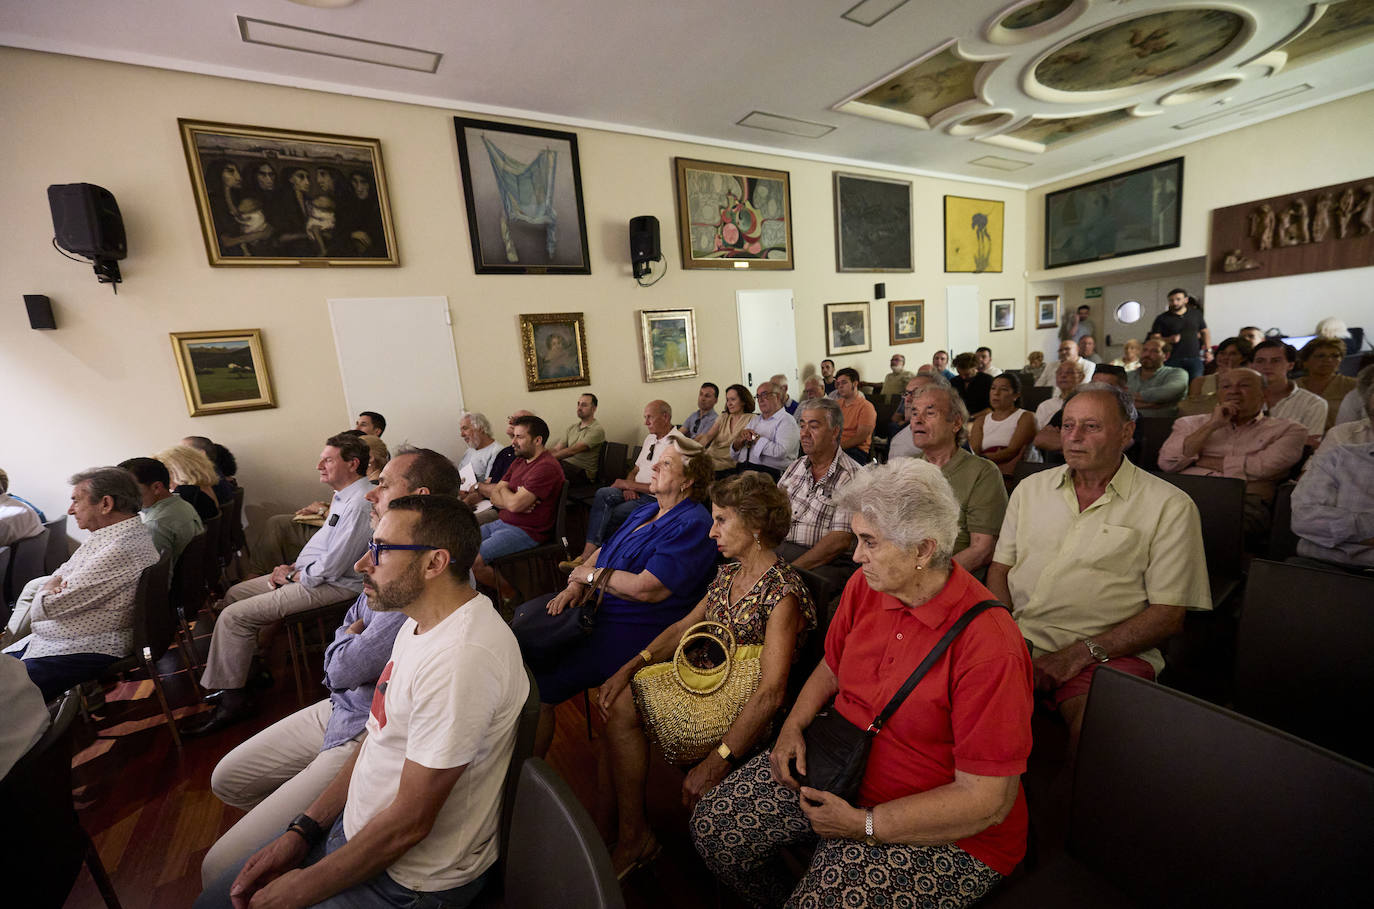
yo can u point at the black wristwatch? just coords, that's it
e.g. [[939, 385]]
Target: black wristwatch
[[308, 828]]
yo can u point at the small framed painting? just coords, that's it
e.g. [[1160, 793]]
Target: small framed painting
[[555, 348], [1003, 315], [223, 371], [1047, 311], [669, 343], [906, 321], [847, 329]]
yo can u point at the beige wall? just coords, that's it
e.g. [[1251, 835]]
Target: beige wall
[[104, 386]]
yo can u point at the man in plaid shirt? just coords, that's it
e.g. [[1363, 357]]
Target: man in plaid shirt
[[820, 539]]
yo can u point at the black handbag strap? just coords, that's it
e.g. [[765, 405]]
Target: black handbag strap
[[935, 653]]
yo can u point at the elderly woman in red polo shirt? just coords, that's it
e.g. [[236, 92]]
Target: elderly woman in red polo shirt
[[940, 815]]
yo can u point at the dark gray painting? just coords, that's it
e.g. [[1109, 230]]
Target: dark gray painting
[[872, 224]]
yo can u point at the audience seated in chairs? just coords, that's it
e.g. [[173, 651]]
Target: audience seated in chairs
[[1321, 358], [323, 573], [700, 421], [894, 383], [1202, 391], [170, 519], [18, 519], [475, 429], [1238, 440], [499, 465], [1068, 353], [900, 444], [226, 465], [578, 449], [769, 443], [279, 772], [1067, 377], [1157, 388], [813, 388], [1333, 504], [1098, 559], [377, 455], [613, 504], [525, 498], [1361, 429], [820, 538], [860, 417], [647, 576], [973, 386], [80, 618], [720, 437], [763, 601], [1003, 433], [1274, 360], [420, 801], [193, 478], [946, 812], [939, 426]]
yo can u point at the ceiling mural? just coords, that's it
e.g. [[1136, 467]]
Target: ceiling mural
[[1034, 14], [1341, 25], [1139, 50], [1044, 132], [923, 88]]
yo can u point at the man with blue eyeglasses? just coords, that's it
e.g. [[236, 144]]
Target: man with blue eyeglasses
[[277, 773]]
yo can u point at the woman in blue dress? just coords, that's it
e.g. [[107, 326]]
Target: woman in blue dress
[[655, 569]]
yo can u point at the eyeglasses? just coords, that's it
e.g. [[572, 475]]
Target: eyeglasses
[[376, 549]]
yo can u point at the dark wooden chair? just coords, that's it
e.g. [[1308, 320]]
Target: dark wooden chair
[[1025, 468], [27, 558], [302, 644], [1221, 505], [1283, 542], [58, 550], [1034, 395], [1152, 433], [187, 596], [212, 571], [154, 631]]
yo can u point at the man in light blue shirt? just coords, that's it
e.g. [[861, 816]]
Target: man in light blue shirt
[[769, 443], [322, 574], [171, 520]]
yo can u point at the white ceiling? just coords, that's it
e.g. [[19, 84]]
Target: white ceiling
[[694, 69]]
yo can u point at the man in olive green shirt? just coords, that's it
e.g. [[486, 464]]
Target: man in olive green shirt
[[939, 425], [1098, 559], [170, 519], [579, 448]]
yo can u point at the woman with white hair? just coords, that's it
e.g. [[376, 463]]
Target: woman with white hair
[[939, 815]]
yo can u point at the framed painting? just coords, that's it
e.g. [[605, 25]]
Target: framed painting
[[1002, 315], [669, 343], [731, 216], [555, 347], [1047, 311], [523, 189], [282, 197], [847, 329], [872, 224], [974, 229], [223, 371], [1122, 215], [906, 321]]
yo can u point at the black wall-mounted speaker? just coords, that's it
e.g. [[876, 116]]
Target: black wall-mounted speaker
[[40, 312], [86, 221], [644, 246]]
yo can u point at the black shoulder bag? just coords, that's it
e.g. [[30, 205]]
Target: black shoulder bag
[[837, 750]]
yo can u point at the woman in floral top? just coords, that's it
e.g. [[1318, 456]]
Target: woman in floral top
[[763, 601]]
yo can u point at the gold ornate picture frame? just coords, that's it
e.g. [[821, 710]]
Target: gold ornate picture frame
[[223, 371], [555, 350]]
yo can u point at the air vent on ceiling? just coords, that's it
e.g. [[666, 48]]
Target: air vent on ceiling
[[310, 41], [779, 124], [869, 12], [998, 163], [1244, 108]]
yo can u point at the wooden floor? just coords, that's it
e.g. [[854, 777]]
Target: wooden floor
[[152, 815]]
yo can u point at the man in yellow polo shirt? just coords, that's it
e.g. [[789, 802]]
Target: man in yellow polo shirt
[[1098, 559]]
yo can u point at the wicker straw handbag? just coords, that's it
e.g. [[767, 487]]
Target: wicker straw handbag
[[686, 710]]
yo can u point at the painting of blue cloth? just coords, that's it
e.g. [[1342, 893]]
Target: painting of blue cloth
[[523, 190]]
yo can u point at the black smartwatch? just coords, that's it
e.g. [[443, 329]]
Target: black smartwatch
[[308, 828]]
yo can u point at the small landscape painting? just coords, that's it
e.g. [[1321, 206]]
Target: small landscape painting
[[223, 371]]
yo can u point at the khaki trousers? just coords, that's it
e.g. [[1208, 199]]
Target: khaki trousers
[[252, 606], [274, 776]]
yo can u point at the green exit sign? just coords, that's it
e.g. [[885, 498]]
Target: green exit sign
[[1092, 293]]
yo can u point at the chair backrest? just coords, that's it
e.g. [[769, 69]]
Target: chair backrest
[[1025, 468], [1035, 395], [1152, 432], [58, 549], [611, 467], [525, 728], [884, 409], [188, 577], [1220, 502], [212, 532], [236, 536], [1305, 654], [223, 541], [1179, 802], [27, 558], [1283, 542], [152, 620], [556, 855]]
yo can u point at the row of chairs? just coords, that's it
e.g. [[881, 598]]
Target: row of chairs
[[34, 557]]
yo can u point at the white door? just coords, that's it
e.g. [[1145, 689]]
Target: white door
[[767, 337], [961, 318], [396, 357]]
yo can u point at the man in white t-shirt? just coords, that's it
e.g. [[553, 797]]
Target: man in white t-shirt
[[417, 810]]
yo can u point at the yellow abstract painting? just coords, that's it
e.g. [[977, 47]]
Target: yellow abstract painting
[[973, 234]]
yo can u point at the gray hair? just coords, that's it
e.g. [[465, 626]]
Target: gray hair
[[832, 411], [1364, 382], [1076, 365], [1125, 404], [115, 482], [772, 386], [954, 408], [478, 420], [907, 501], [4, 482]]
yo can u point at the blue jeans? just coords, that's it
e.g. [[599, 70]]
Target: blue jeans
[[501, 539], [55, 674], [380, 892], [1192, 364], [609, 511]]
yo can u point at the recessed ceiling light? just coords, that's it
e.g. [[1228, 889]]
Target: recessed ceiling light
[[779, 124], [868, 12], [999, 163], [311, 41]]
